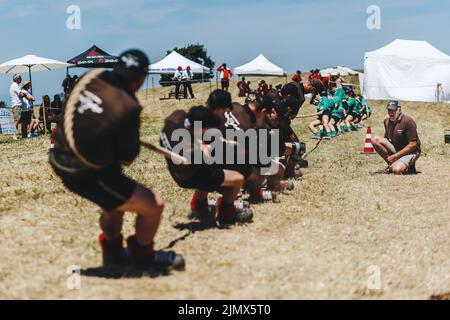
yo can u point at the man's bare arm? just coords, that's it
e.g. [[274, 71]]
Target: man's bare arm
[[411, 146]]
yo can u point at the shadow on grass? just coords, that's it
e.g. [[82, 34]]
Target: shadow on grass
[[191, 227], [384, 172], [119, 272]]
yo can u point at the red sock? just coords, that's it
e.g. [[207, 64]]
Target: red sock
[[199, 204], [111, 247], [142, 255]]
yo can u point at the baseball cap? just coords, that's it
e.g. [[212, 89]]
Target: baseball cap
[[219, 99], [289, 89], [292, 102], [393, 105], [205, 115], [266, 103], [132, 63], [281, 109]]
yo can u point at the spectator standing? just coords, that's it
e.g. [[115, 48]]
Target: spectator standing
[[187, 78], [225, 76], [27, 118], [16, 94], [66, 84], [178, 78]]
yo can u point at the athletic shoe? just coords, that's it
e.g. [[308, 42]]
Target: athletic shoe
[[268, 195], [230, 214], [386, 170], [113, 252], [290, 186], [146, 257], [412, 170], [239, 204], [302, 163], [297, 172], [168, 260], [353, 128]]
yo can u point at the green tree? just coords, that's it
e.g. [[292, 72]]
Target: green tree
[[197, 53]]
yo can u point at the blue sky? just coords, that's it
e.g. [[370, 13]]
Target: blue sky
[[294, 34]]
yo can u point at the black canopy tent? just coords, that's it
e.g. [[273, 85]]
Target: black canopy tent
[[93, 57]]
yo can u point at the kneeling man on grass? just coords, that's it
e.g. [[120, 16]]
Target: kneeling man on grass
[[400, 147]]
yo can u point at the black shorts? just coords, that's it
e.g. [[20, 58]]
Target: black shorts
[[225, 83], [355, 116], [206, 178], [244, 169], [336, 118], [325, 113], [109, 187]]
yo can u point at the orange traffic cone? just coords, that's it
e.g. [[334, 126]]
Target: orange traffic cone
[[368, 147]]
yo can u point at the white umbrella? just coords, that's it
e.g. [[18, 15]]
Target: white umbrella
[[31, 63]]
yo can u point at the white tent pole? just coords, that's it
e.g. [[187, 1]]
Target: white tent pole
[[146, 91], [29, 75], [153, 89]]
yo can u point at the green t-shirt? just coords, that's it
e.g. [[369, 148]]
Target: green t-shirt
[[364, 104], [339, 95], [325, 104], [354, 105], [338, 111]]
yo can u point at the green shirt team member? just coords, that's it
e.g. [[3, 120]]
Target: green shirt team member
[[366, 110], [354, 112], [324, 105]]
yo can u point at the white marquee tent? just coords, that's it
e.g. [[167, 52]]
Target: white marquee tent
[[343, 71], [407, 70], [172, 61], [259, 66]]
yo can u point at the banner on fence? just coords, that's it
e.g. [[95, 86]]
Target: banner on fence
[[6, 122]]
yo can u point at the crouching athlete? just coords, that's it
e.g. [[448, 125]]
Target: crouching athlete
[[97, 135], [203, 177]]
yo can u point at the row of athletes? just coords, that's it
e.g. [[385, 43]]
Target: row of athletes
[[98, 134], [339, 112]]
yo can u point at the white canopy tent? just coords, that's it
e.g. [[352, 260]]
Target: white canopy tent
[[172, 61], [407, 70], [31, 63], [343, 71], [258, 67]]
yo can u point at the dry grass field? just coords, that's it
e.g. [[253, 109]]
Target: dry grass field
[[322, 240]]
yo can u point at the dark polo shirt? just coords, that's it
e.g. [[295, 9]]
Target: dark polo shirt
[[400, 133]]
